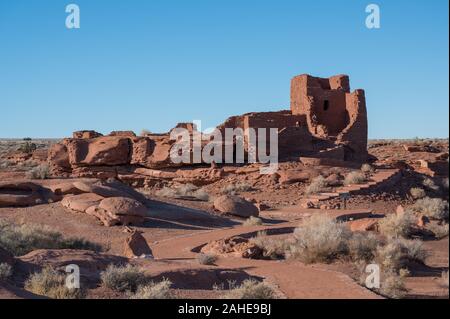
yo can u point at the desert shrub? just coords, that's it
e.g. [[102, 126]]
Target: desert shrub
[[22, 239], [317, 185], [272, 248], [5, 271], [397, 253], [39, 172], [429, 183], [362, 246], [253, 221], [27, 147], [251, 289], [123, 278], [367, 168], [320, 239], [398, 225], [434, 208], [234, 189], [4, 164], [392, 284], [186, 190], [439, 230], [52, 284], [353, 178], [152, 290], [417, 193], [206, 259], [444, 279]]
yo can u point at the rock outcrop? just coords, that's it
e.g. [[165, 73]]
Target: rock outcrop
[[234, 205]]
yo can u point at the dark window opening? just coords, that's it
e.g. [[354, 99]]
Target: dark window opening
[[326, 105]]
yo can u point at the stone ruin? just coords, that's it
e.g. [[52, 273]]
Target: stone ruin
[[326, 122]]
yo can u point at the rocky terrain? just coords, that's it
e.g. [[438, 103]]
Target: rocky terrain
[[139, 226]]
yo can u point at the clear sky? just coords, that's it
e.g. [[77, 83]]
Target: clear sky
[[149, 64]]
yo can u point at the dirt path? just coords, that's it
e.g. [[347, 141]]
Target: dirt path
[[294, 279]]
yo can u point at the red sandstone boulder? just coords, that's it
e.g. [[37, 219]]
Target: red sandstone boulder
[[233, 247], [80, 203], [86, 134], [119, 211], [234, 205], [365, 224], [99, 189], [23, 194], [152, 152], [293, 176], [136, 246], [107, 150]]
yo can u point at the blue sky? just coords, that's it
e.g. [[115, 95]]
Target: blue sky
[[149, 64]]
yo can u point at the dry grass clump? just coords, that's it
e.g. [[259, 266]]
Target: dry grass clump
[[39, 172], [398, 225], [434, 208], [397, 253], [439, 230], [22, 239], [417, 193], [445, 183], [5, 163], [271, 247], [320, 239], [234, 189], [183, 192], [393, 284], [5, 271], [206, 259], [429, 183], [52, 284], [354, 178], [362, 246], [152, 290], [253, 221], [123, 278], [251, 289], [367, 168], [318, 184]]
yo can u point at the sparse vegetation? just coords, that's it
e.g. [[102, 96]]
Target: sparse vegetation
[[434, 208], [124, 278], [354, 178], [320, 239], [39, 172], [367, 168], [27, 147], [22, 239], [185, 191], [318, 184], [429, 183], [272, 248], [253, 221], [397, 225], [234, 189], [362, 246], [439, 230], [159, 290], [393, 284], [51, 283], [417, 193], [397, 253], [206, 259], [251, 289], [5, 271]]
